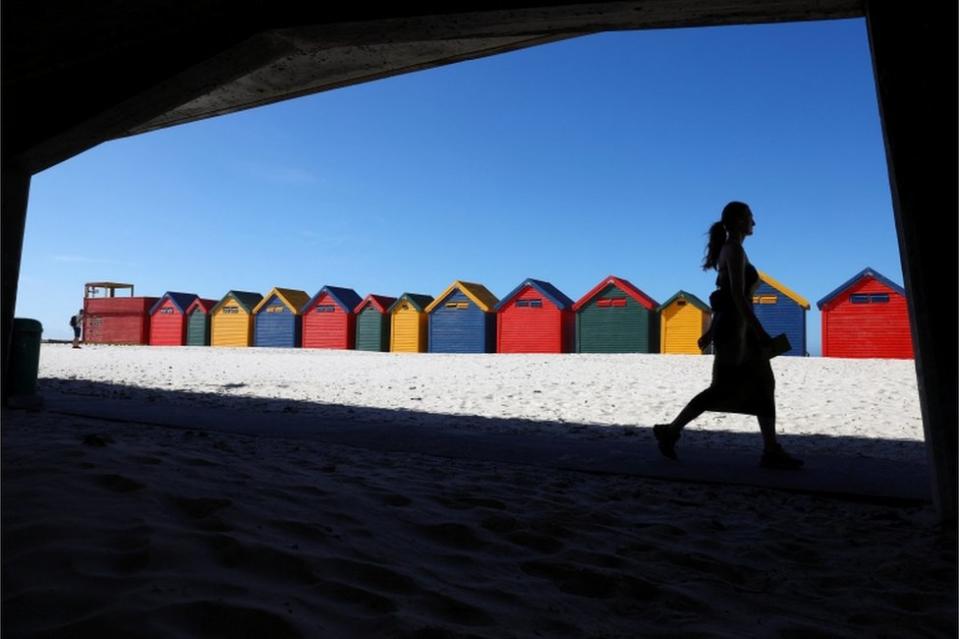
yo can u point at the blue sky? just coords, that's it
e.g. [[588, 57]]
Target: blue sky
[[607, 154]]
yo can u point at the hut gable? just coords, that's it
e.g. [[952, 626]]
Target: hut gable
[[627, 287], [381, 303], [866, 273], [292, 299], [547, 290], [417, 301], [245, 299], [801, 301], [476, 293], [205, 306], [346, 298], [180, 301], [685, 297]]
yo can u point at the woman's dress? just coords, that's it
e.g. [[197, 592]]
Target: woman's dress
[[743, 380]]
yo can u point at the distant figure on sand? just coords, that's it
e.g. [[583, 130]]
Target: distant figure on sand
[[743, 380], [76, 322]]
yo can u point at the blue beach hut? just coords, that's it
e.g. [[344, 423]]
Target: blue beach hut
[[781, 310], [277, 320], [462, 319]]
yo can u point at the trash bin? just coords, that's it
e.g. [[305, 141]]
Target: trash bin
[[24, 357]]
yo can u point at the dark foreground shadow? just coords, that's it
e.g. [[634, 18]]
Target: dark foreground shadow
[[848, 466]]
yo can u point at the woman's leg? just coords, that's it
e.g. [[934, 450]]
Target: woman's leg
[[696, 407], [767, 426]]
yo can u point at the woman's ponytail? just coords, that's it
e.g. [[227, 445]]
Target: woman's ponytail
[[717, 237]]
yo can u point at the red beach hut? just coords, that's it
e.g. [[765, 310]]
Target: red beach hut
[[329, 319], [866, 317], [535, 317], [168, 319]]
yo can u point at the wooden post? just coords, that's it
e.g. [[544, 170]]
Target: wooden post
[[13, 211], [914, 61]]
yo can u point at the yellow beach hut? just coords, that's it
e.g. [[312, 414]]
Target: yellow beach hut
[[408, 323], [683, 318], [231, 320]]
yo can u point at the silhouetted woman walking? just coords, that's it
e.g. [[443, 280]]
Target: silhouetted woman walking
[[743, 380]]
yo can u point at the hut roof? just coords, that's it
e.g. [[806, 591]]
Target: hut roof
[[796, 297], [625, 285], [556, 296], [204, 304], [181, 300], [477, 293], [866, 272], [245, 299], [689, 297], [419, 302], [292, 298], [345, 298], [381, 303]]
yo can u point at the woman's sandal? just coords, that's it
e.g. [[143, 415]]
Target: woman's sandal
[[666, 440]]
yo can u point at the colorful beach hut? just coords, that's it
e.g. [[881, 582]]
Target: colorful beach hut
[[198, 322], [535, 317], [276, 319], [462, 319], [112, 319], [866, 316], [168, 319], [373, 323], [329, 318], [231, 320], [683, 319], [781, 310], [408, 323], [616, 317]]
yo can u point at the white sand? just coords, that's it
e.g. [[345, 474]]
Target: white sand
[[130, 530], [873, 401]]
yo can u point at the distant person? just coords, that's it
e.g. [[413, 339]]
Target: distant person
[[743, 380], [76, 321]]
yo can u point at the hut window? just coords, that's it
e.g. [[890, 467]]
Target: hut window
[[608, 302], [325, 308], [681, 303], [869, 298], [231, 310], [522, 303], [166, 310], [765, 299], [536, 303], [457, 305], [275, 309], [879, 298]]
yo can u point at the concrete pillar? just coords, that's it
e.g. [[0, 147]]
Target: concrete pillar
[[914, 61], [13, 211]]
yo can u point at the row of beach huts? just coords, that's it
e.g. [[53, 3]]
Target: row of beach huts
[[864, 317]]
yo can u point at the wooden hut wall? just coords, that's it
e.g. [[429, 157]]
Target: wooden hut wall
[[682, 322], [198, 322], [408, 329], [458, 325], [167, 325], [275, 325], [530, 323], [372, 330], [779, 313], [231, 325], [117, 320], [867, 319], [614, 322]]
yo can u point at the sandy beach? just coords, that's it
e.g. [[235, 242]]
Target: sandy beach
[[118, 529]]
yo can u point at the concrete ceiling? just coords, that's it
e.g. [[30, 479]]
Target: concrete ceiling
[[77, 75]]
